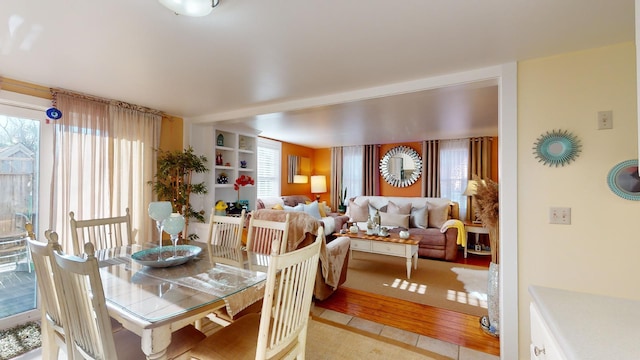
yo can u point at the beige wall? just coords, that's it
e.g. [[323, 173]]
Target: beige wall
[[598, 252]]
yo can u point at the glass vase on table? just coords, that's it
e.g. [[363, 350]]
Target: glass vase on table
[[174, 225], [160, 211]]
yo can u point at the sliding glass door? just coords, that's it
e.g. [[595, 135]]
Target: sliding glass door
[[21, 143]]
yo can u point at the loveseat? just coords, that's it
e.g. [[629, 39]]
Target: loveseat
[[425, 217], [331, 221], [303, 229]]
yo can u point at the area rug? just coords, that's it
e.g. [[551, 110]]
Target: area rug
[[328, 340], [447, 285], [18, 340]]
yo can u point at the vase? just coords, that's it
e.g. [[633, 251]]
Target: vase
[[493, 300]]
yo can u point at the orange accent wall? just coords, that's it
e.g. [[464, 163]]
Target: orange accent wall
[[322, 166], [295, 189]]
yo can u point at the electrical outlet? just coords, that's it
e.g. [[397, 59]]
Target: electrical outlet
[[560, 215], [605, 120]]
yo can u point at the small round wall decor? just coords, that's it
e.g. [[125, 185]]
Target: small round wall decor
[[624, 180], [558, 147]]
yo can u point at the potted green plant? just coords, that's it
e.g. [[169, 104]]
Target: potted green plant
[[173, 182], [342, 198]]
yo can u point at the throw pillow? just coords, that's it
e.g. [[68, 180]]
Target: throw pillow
[[394, 220], [438, 215], [419, 217], [321, 207], [358, 213], [299, 207], [277, 207], [312, 209], [393, 208]]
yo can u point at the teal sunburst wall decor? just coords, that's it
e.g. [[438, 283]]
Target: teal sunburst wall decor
[[558, 147]]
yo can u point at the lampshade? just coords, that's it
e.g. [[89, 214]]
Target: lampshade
[[318, 184], [472, 188], [300, 179], [190, 7]]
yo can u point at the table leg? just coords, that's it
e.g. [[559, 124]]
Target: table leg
[[409, 267], [155, 342], [415, 260]]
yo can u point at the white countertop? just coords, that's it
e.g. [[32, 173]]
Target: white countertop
[[590, 326]]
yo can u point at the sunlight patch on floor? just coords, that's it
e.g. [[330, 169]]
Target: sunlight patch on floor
[[408, 286], [473, 299]]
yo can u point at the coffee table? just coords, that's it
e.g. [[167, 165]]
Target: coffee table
[[391, 245]]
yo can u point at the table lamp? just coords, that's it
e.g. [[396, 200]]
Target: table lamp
[[470, 191], [318, 185]]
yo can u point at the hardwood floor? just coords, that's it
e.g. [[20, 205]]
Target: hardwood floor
[[445, 325]]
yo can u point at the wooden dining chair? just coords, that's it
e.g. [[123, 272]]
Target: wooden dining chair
[[225, 239], [103, 233], [52, 328], [280, 330], [88, 327], [260, 237]]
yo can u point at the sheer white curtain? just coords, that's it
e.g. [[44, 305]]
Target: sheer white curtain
[[454, 165], [353, 170], [104, 159]]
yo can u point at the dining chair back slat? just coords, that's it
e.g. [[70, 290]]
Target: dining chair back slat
[[260, 239], [225, 239], [103, 233]]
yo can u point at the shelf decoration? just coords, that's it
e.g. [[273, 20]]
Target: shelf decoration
[[624, 180], [558, 147], [220, 140]]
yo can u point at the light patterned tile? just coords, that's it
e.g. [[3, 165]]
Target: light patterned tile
[[438, 346], [469, 354], [400, 335], [337, 317], [366, 325]]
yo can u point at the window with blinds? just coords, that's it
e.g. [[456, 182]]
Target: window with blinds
[[268, 179]]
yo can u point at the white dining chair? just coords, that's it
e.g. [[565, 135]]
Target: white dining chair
[[225, 239], [84, 310], [280, 330], [260, 237], [104, 233], [52, 328]]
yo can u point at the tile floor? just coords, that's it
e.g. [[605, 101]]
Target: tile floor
[[452, 351]]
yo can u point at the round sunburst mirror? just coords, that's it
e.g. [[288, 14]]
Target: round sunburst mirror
[[401, 166], [558, 147]]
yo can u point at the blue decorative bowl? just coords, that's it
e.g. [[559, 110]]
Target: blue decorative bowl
[[163, 256]]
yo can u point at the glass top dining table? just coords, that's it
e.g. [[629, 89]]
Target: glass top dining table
[[155, 301]]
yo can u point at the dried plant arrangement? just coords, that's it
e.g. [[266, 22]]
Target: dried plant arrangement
[[487, 210]]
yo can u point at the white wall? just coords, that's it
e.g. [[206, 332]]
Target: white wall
[[598, 252]]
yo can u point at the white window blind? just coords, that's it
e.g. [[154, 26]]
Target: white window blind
[[269, 155]]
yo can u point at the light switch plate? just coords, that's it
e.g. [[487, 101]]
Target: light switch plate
[[560, 215], [605, 120]]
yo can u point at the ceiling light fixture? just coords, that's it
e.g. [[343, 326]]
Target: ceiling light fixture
[[190, 7]]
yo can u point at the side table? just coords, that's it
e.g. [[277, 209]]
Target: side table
[[477, 229]]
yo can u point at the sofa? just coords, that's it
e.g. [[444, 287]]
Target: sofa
[[428, 218], [331, 221], [303, 229]]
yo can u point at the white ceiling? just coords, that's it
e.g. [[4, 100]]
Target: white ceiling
[[252, 55]]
